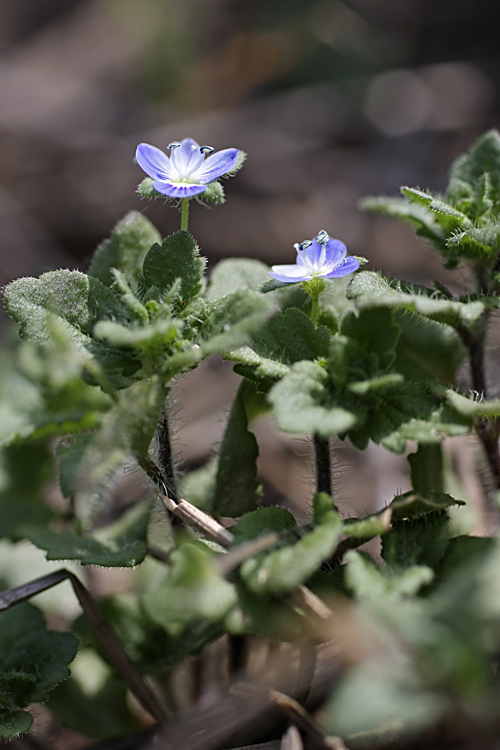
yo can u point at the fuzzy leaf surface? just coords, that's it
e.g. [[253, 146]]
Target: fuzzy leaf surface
[[234, 274], [237, 487], [284, 569], [176, 258], [121, 544], [125, 250], [33, 661]]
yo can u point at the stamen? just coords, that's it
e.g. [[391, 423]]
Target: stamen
[[207, 149], [174, 144], [322, 237], [305, 244]]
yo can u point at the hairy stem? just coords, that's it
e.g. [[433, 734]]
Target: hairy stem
[[487, 428], [323, 465], [315, 309], [185, 214], [166, 457]]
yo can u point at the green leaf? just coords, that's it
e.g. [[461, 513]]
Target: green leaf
[[375, 331], [286, 338], [77, 299], [15, 723], [189, 591], [300, 403], [419, 216], [103, 714], [284, 569], [237, 488], [153, 338], [176, 258], [121, 544], [263, 521], [126, 431], [427, 468], [370, 290], [418, 541], [472, 408], [368, 582], [33, 661], [26, 468], [427, 349], [232, 320], [125, 250], [234, 274], [416, 504], [379, 703], [483, 157]]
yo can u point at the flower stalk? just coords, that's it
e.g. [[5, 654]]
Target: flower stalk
[[184, 214]]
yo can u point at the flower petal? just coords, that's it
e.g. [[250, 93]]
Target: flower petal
[[335, 252], [313, 253], [348, 265], [178, 189], [217, 165], [154, 162], [187, 157], [289, 274]]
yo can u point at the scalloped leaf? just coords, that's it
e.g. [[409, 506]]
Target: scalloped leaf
[[178, 257], [190, 591], [286, 338], [233, 274], [231, 321], [282, 570], [125, 250], [371, 290], [122, 544], [33, 660]]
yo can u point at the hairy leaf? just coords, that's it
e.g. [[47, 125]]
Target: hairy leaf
[[33, 661], [237, 488], [282, 570], [125, 250], [121, 544], [176, 258], [233, 274]]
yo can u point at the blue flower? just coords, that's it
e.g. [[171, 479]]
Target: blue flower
[[186, 172], [318, 258]]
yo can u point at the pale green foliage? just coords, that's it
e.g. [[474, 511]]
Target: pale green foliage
[[190, 590], [284, 569], [233, 274]]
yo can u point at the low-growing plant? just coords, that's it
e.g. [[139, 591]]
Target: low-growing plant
[[397, 648]]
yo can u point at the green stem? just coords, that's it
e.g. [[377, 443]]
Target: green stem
[[315, 309], [185, 214]]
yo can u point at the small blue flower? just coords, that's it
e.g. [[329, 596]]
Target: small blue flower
[[317, 258], [186, 172]]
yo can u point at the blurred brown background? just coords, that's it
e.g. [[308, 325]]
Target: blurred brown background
[[332, 100]]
